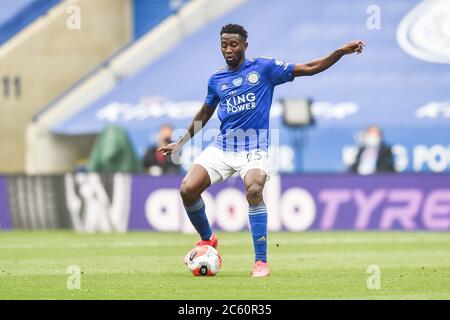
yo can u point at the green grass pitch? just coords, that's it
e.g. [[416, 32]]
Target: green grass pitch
[[148, 265]]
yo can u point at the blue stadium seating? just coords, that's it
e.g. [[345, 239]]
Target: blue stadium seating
[[148, 13], [16, 15]]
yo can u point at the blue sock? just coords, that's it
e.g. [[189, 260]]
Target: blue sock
[[197, 215], [258, 224]]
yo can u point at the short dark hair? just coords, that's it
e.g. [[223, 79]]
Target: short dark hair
[[234, 28]]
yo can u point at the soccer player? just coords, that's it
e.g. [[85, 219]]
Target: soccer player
[[242, 93]]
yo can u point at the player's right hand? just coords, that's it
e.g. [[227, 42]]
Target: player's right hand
[[170, 148]]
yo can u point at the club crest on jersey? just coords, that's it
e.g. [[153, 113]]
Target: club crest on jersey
[[253, 78], [237, 82], [223, 87]]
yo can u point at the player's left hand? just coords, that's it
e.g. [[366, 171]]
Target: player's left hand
[[353, 46]]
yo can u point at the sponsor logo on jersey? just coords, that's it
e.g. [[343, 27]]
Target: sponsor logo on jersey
[[241, 102], [223, 87], [253, 78]]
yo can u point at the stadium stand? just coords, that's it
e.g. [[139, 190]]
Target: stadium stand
[[52, 153], [63, 53], [47, 57], [377, 92]]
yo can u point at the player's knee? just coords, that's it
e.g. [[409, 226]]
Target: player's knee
[[254, 193], [188, 192]]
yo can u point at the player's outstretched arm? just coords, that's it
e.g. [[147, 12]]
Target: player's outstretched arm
[[199, 121], [322, 64]]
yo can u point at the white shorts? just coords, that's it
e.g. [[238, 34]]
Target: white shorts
[[221, 164]]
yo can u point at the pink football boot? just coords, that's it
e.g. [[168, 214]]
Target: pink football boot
[[213, 242], [260, 269]]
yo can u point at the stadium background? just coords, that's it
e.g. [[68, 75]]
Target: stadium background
[[71, 68]]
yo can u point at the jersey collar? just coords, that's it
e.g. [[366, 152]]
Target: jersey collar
[[240, 68]]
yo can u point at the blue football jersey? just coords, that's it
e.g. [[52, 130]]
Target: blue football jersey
[[243, 98]]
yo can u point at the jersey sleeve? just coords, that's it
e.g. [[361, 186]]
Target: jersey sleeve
[[211, 99], [280, 72]]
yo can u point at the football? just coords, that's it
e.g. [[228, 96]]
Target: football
[[204, 261]]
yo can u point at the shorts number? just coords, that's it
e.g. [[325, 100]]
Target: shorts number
[[254, 156]]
